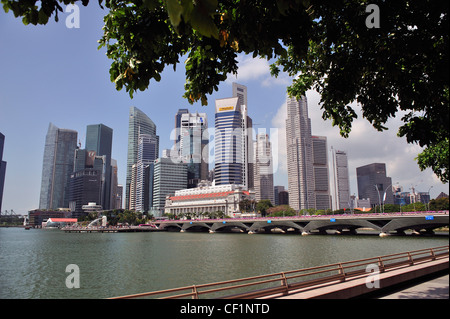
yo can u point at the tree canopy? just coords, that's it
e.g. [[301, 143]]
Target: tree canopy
[[398, 65]]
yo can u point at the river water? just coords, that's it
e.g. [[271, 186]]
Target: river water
[[33, 262]]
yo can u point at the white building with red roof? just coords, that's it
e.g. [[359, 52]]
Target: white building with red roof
[[223, 198]]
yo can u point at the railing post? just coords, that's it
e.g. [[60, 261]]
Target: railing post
[[411, 261], [342, 272], [381, 264], [284, 283], [195, 292], [432, 254]]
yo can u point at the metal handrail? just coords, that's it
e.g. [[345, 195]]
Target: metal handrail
[[338, 272]]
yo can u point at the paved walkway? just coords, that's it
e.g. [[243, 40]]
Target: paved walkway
[[434, 289]]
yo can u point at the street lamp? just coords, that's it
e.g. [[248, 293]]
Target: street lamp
[[429, 197], [384, 195], [379, 200]]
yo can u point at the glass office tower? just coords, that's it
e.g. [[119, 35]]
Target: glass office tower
[[99, 139], [59, 152], [139, 122]]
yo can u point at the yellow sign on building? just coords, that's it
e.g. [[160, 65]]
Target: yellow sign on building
[[227, 108]]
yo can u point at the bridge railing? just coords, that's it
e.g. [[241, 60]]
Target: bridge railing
[[284, 282]]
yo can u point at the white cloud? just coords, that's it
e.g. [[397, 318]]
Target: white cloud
[[250, 69], [365, 145]]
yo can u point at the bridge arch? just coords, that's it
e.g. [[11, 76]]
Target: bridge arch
[[270, 224], [339, 224], [416, 223], [227, 225]]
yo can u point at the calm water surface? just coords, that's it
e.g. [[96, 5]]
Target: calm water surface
[[33, 262]]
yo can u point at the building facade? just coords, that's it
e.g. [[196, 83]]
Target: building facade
[[99, 139], [299, 155], [147, 154], [342, 180], [170, 175], [208, 199], [194, 146], [263, 169], [139, 123], [321, 173], [57, 166], [374, 184]]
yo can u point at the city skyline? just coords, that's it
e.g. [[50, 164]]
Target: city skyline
[[57, 75]]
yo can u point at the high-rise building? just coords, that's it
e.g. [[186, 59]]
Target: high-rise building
[[263, 168], [177, 136], [240, 91], [99, 139], [374, 184], [193, 146], [233, 141], [321, 175], [60, 145], [170, 175], [342, 180], [147, 153], [276, 190], [139, 123], [2, 169], [299, 155]]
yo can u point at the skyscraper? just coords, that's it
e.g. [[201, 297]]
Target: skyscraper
[[60, 145], [374, 184], [263, 166], [240, 91], [233, 140], [147, 153], [299, 155], [321, 175], [99, 139], [139, 123], [2, 169], [342, 181], [193, 146], [170, 175]]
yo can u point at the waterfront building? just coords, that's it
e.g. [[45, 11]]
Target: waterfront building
[[194, 146], [321, 177], [139, 123], [283, 198], [37, 216], [276, 190], [177, 131], [99, 139], [147, 153], [263, 168], [59, 152], [299, 155], [374, 184], [170, 175], [87, 182], [2, 169], [341, 178], [233, 141], [208, 199]]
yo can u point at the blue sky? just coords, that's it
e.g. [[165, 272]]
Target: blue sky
[[55, 74]]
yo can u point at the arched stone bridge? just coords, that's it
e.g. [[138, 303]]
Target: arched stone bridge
[[385, 224]]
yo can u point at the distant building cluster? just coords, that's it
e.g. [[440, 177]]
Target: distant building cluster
[[76, 180]]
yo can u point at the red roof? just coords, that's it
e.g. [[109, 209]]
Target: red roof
[[63, 220]]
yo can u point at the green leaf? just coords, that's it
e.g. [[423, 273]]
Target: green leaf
[[174, 9]]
